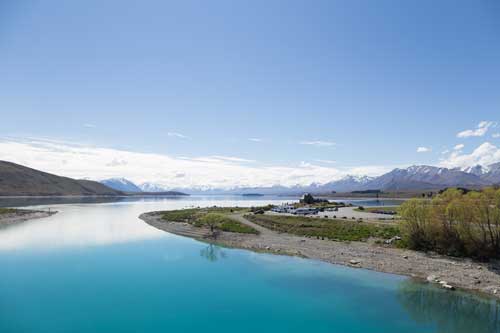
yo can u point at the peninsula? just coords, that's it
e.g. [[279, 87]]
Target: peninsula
[[358, 244]]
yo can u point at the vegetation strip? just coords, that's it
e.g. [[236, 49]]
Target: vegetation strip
[[214, 218], [325, 229]]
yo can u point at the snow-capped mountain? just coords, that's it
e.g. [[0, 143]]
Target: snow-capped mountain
[[152, 187], [493, 174], [121, 184], [424, 177], [346, 184], [477, 170]]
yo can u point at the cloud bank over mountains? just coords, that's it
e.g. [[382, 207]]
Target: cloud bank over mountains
[[486, 154], [97, 163], [80, 161]]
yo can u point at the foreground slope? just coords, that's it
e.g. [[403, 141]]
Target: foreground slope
[[18, 180]]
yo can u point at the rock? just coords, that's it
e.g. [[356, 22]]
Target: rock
[[392, 240], [495, 291], [353, 262], [432, 278], [449, 287], [405, 257]]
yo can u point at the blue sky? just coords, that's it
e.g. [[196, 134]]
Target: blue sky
[[361, 83]]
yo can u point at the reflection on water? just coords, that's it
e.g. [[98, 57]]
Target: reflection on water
[[449, 311], [212, 253], [103, 223]]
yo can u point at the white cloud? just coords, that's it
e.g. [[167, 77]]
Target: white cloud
[[326, 161], [496, 135], [459, 147], [177, 135], [485, 154], [255, 139], [84, 161], [481, 129], [318, 143], [423, 150], [444, 152], [371, 170], [89, 125]]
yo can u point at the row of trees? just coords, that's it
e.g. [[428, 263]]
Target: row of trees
[[455, 223]]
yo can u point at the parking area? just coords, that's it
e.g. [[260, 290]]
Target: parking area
[[348, 213]]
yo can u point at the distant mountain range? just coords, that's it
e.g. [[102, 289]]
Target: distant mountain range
[[151, 187], [421, 177], [129, 188], [18, 180], [417, 177]]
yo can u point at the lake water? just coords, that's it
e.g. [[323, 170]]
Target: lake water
[[95, 267]]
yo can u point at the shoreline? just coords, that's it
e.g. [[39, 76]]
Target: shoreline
[[22, 215], [465, 274]]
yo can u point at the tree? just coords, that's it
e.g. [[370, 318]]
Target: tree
[[307, 199], [456, 222]]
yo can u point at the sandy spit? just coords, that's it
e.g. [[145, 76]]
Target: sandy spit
[[22, 215]]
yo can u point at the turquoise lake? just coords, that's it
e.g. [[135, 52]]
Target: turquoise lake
[[95, 267]]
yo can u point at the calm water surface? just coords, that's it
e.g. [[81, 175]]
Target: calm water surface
[[95, 267]]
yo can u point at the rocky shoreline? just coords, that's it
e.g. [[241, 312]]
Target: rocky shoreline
[[447, 272], [22, 215]]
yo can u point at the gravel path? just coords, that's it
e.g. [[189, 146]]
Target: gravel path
[[460, 273]]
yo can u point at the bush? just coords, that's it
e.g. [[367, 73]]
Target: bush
[[455, 223]]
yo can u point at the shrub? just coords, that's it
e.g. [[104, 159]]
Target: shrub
[[455, 223]]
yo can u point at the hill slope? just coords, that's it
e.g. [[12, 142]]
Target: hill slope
[[18, 180]]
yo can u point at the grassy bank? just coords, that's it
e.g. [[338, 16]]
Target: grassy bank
[[6, 210], [217, 218], [329, 229]]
